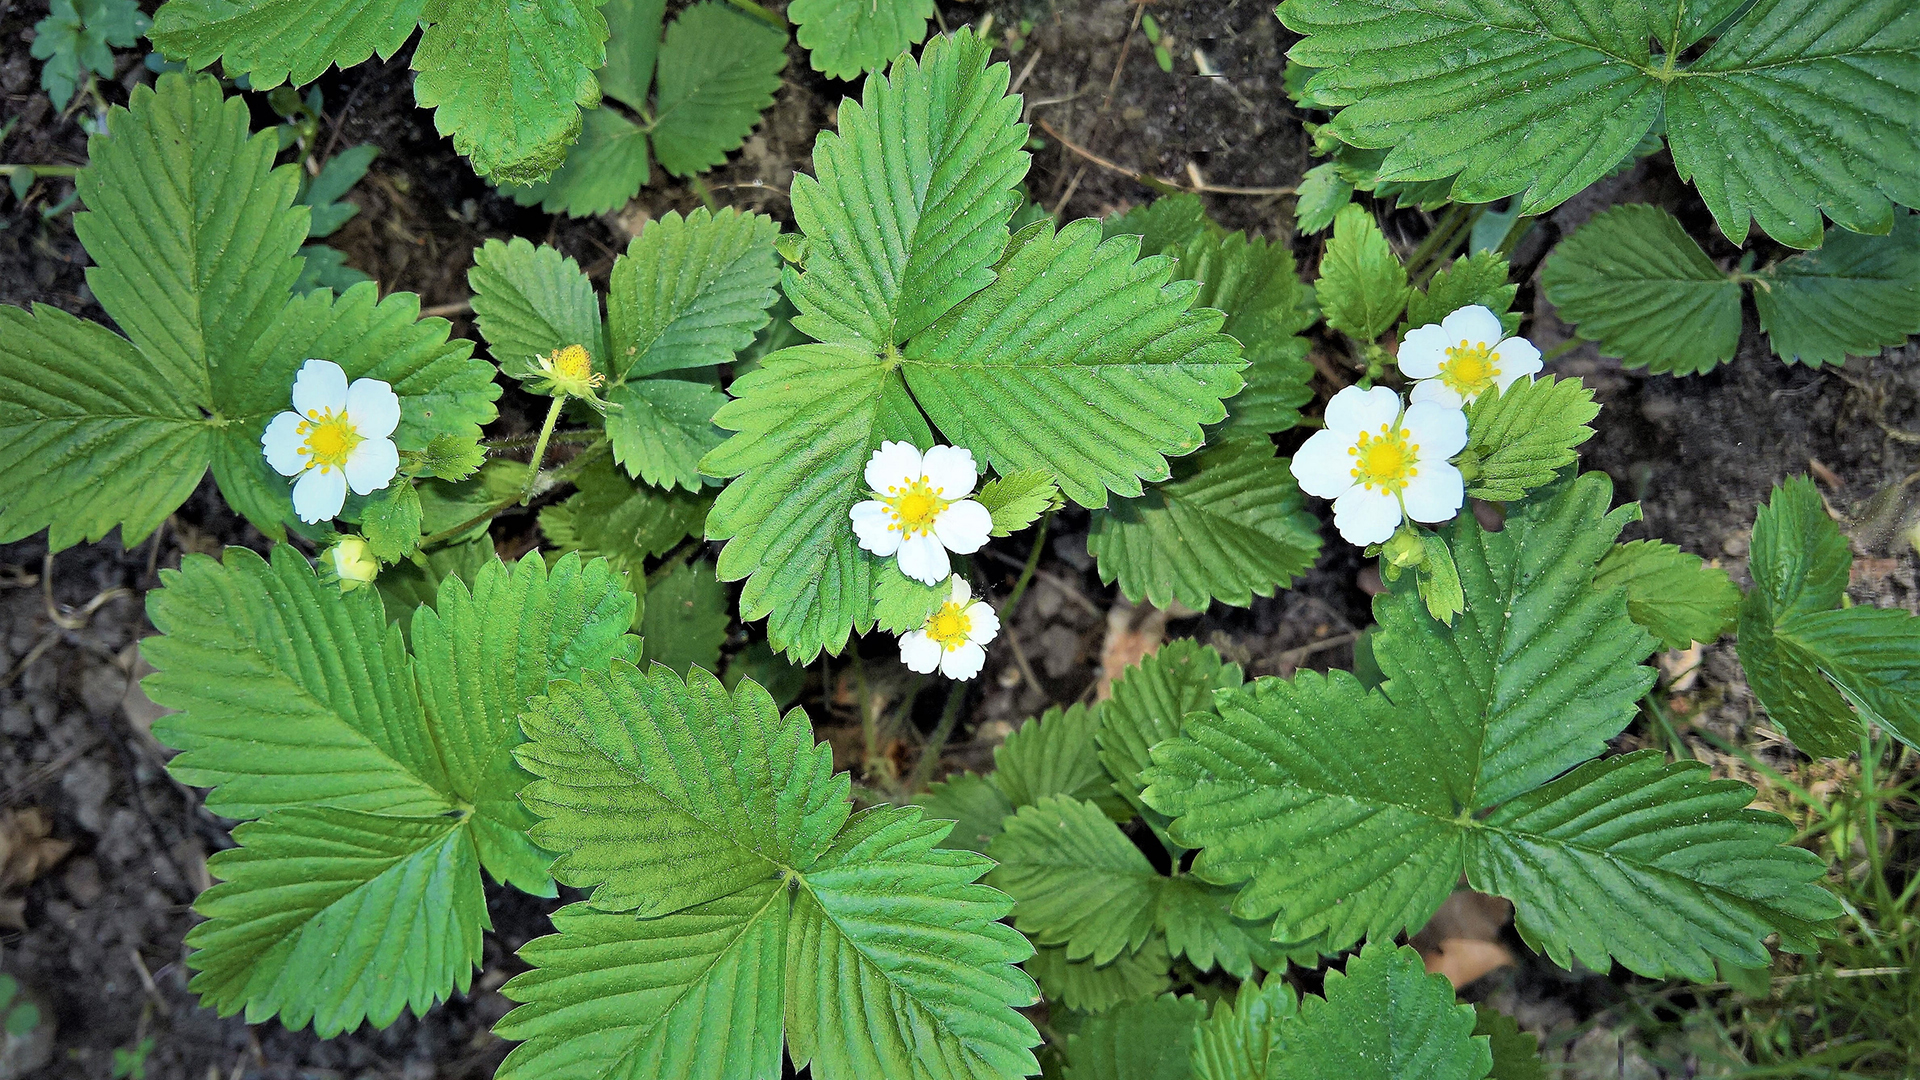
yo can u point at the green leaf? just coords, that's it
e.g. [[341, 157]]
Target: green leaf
[[276, 41], [530, 302], [605, 169], [975, 806], [662, 793], [1197, 920], [633, 40], [1230, 524], [686, 618], [1676, 596], [1075, 878], [1165, 226], [1797, 556], [718, 71], [1853, 296], [901, 230], [507, 80], [1362, 286], [1142, 1040], [391, 521], [1017, 500], [660, 428], [1055, 754], [692, 993], [407, 586], [901, 604], [337, 177], [1792, 109], [326, 268], [1872, 655], [1438, 580], [1479, 278], [1267, 305], [1151, 703], [1516, 1053], [1085, 986], [335, 916], [1633, 280], [1384, 1018], [449, 457], [849, 37], [77, 37], [690, 292], [1236, 1042], [1005, 373], [1519, 439], [625, 521], [1322, 194]]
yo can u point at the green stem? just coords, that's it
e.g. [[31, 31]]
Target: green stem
[[40, 170], [540, 448], [1429, 247], [771, 18], [1026, 572], [1515, 230], [559, 475], [577, 437], [930, 754]]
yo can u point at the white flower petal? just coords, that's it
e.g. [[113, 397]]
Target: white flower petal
[[919, 652], [982, 624], [1366, 516], [1323, 466], [873, 526], [1474, 324], [895, 464], [961, 592], [1423, 351], [1515, 357], [963, 527], [924, 560], [1438, 430], [950, 470], [320, 386], [1354, 410], [281, 443], [371, 465], [964, 662], [319, 494], [1437, 392], [1436, 494], [373, 407]]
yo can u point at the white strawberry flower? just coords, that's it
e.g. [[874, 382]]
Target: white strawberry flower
[[337, 435], [1458, 358], [954, 638], [920, 510], [1380, 463]]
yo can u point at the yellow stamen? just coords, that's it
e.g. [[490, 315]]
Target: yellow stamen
[[1469, 368], [1386, 461], [570, 370], [330, 438], [948, 627], [914, 506]]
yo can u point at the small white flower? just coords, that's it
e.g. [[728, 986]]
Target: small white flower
[[1459, 357], [920, 510], [1379, 464], [955, 637], [336, 435]]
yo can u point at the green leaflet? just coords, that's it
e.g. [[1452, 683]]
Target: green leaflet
[[1797, 107], [1322, 194], [1267, 305], [877, 952], [1230, 524], [1084, 986], [1017, 501], [847, 38], [1055, 754], [77, 37], [1141, 1040], [1236, 1042], [625, 521], [1479, 278], [1165, 226], [1519, 439], [1075, 878], [1151, 703], [973, 803], [383, 780], [1677, 597], [276, 41], [530, 302], [1198, 922], [1353, 813], [1384, 1018], [685, 622], [1362, 287], [1852, 296], [193, 234]]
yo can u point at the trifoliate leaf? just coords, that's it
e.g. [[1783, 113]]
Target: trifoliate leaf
[[1479, 278], [79, 36], [531, 302], [1236, 1042], [391, 521], [1519, 439], [1516, 1053], [1142, 1040], [718, 70], [1165, 226], [1230, 524], [1853, 296], [975, 806], [1085, 986], [1075, 878], [1384, 1018], [1055, 754], [1633, 280], [1197, 920], [336, 916], [849, 37], [603, 170], [321, 195], [507, 80], [625, 521], [1676, 596], [1323, 193], [686, 618], [662, 792], [1787, 113], [1267, 305], [276, 41], [695, 993], [1362, 287], [1140, 385], [901, 230], [886, 917], [1017, 500]]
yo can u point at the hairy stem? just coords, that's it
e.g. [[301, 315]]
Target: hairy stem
[[930, 754], [1026, 572], [540, 448]]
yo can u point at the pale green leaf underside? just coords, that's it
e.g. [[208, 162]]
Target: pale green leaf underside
[[849, 37], [1384, 1018], [276, 41], [718, 71], [1075, 878], [1017, 500], [1676, 596], [633, 40], [1084, 986]]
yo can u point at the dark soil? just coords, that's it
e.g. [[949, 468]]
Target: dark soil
[[103, 930]]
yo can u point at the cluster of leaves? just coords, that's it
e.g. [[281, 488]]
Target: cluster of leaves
[[196, 240], [1639, 285], [77, 39], [321, 193]]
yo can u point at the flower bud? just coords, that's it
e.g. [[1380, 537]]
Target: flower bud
[[1404, 549], [352, 563]]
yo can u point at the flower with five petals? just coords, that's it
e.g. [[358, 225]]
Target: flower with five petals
[[920, 510], [336, 436], [1380, 463], [1463, 355], [954, 638]]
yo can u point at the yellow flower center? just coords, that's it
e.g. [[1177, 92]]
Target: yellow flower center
[[1386, 461], [571, 371], [914, 506], [1469, 368], [949, 625], [330, 438]]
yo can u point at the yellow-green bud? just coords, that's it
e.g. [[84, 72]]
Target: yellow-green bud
[[352, 563], [569, 372], [1405, 549]]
